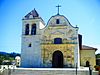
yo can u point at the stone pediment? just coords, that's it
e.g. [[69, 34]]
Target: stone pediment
[[57, 32]]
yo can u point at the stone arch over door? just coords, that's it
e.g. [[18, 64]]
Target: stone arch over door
[[57, 59]]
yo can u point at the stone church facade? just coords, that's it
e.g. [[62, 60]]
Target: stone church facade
[[56, 45]]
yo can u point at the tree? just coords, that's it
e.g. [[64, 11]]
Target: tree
[[97, 55]]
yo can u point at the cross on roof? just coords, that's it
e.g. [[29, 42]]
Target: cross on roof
[[58, 8]]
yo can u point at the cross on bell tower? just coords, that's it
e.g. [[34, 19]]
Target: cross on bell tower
[[58, 8]]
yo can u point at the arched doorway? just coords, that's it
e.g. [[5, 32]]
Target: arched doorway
[[87, 63], [57, 59]]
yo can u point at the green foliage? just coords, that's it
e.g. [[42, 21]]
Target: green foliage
[[7, 56], [97, 55]]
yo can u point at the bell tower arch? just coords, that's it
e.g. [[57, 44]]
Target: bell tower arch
[[33, 29]]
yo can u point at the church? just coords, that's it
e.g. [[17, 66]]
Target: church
[[56, 44]]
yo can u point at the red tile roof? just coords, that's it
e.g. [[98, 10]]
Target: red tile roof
[[33, 14], [84, 47]]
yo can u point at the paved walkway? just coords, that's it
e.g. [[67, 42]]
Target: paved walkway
[[46, 71]]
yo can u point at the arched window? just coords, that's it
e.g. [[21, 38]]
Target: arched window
[[57, 40], [33, 29], [27, 29], [29, 45], [57, 21], [87, 64]]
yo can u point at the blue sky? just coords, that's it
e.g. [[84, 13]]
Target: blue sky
[[83, 13]]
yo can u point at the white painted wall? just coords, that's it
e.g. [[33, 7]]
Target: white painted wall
[[31, 56]]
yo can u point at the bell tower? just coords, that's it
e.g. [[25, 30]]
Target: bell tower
[[31, 35]]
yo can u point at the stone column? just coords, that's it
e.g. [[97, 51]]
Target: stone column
[[76, 53]]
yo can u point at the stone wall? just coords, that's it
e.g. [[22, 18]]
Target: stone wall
[[88, 55], [48, 72]]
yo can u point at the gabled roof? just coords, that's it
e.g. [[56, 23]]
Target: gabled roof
[[32, 14], [84, 47]]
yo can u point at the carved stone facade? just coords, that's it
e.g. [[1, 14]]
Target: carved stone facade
[[53, 45], [68, 35]]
